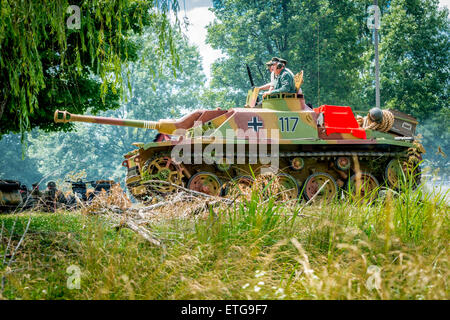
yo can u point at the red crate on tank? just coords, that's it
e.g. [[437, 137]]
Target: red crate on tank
[[338, 119]]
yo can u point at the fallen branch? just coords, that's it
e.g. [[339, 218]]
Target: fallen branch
[[143, 232], [202, 207], [187, 190], [122, 220], [162, 204]]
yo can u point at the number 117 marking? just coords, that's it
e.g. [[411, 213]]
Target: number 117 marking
[[286, 124]]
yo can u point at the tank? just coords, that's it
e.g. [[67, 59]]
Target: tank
[[313, 151]]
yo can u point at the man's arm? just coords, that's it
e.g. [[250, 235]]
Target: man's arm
[[266, 86], [269, 86]]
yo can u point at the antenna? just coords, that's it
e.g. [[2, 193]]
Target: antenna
[[318, 62], [377, 60], [375, 25]]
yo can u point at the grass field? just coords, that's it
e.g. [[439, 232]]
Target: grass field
[[395, 248]]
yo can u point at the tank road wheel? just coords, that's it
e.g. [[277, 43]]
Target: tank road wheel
[[162, 169], [288, 185], [393, 172], [297, 164], [315, 181], [343, 163], [205, 182], [398, 171], [365, 188]]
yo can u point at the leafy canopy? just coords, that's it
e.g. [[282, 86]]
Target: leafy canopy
[[325, 38], [98, 149], [45, 65]]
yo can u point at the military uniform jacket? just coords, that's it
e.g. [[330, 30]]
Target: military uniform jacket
[[284, 83]]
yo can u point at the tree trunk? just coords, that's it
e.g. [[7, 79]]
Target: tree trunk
[[2, 108]]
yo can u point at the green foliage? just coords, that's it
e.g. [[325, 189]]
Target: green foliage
[[45, 65], [13, 166], [415, 57], [415, 75], [99, 149], [330, 41], [324, 38]]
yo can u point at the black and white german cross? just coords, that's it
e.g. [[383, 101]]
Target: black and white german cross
[[256, 123]]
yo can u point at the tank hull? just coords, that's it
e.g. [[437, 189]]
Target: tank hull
[[369, 157], [311, 151]]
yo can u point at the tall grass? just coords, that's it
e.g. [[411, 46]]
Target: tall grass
[[396, 247]]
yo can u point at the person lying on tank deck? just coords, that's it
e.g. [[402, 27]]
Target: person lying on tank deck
[[284, 82]]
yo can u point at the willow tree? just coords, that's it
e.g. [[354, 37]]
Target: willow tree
[[61, 54], [99, 149]]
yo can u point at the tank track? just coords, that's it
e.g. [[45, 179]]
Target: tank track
[[340, 153], [372, 164]]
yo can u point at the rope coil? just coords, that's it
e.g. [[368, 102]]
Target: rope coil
[[385, 125]]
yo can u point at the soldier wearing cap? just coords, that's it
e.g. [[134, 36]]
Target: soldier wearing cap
[[284, 79], [285, 66], [271, 68]]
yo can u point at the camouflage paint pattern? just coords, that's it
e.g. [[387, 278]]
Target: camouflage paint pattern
[[281, 119]]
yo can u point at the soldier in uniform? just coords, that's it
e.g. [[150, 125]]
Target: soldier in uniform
[[284, 80], [53, 198], [292, 74], [283, 61], [27, 200], [271, 65], [35, 190]]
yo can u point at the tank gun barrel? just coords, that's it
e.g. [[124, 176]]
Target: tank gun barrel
[[163, 126], [64, 116]]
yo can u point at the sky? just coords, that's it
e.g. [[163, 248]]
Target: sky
[[199, 16], [443, 3]]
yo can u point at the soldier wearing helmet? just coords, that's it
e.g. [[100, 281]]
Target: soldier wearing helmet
[[53, 198], [51, 185]]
